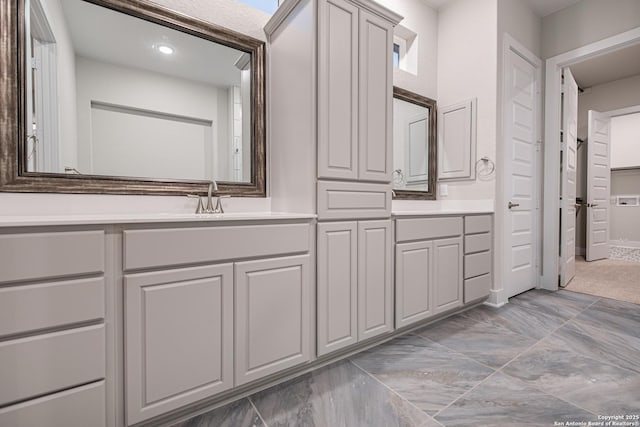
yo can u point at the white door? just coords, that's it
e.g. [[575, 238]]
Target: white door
[[598, 186], [521, 131], [569, 164]]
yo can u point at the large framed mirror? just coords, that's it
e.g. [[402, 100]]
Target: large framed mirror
[[127, 97], [414, 146]]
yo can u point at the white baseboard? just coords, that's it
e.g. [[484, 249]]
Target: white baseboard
[[581, 251], [625, 243]]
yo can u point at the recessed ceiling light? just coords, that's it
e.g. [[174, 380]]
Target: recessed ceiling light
[[166, 49]]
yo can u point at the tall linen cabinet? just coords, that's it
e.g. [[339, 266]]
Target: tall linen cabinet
[[330, 94]]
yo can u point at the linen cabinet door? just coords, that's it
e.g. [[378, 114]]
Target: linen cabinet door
[[337, 90], [376, 98], [447, 281], [337, 296], [273, 309], [414, 282], [178, 336], [375, 296]]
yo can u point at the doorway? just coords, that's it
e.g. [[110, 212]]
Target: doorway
[[554, 259]]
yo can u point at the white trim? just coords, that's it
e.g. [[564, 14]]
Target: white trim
[[623, 111], [550, 261], [499, 296], [625, 244]]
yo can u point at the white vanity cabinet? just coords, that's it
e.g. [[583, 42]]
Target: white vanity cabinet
[[429, 267], [330, 82], [211, 308], [354, 91], [478, 260], [355, 294], [52, 331]]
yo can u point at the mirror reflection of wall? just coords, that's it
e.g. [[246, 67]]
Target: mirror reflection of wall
[[410, 146], [116, 95]]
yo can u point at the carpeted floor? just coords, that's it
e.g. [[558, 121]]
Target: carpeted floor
[[609, 278]]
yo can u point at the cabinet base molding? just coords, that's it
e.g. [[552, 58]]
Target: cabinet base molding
[[246, 390]]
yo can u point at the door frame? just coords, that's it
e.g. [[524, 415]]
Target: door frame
[[499, 293], [552, 120]]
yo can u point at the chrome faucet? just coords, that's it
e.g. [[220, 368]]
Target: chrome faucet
[[209, 208]]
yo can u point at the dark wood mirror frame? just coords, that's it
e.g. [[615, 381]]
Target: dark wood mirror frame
[[13, 174], [423, 101]]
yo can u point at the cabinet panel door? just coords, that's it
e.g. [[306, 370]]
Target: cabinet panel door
[[375, 298], [273, 309], [447, 279], [376, 98], [337, 285], [414, 282], [337, 90], [179, 338]]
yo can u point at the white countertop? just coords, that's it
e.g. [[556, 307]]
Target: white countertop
[[441, 207], [139, 218]]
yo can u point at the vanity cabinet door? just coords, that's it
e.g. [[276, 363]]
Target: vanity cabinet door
[[376, 98], [414, 282], [337, 90], [337, 296], [447, 281], [178, 336], [273, 316], [375, 296]]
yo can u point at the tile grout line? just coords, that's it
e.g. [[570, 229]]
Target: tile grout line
[[462, 355], [500, 369], [393, 391], [255, 408]]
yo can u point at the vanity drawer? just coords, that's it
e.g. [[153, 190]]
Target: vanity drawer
[[351, 200], [32, 256], [176, 246], [45, 305], [477, 243], [477, 224], [477, 264], [427, 228], [46, 363], [78, 407], [477, 287]]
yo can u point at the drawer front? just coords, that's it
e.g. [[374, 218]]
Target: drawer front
[[31, 307], [427, 228], [32, 256], [45, 363], [477, 288], [176, 246], [79, 407], [477, 264], [349, 200], [477, 224], [477, 243]]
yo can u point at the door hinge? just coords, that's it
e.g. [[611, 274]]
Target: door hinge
[[538, 145], [34, 63]]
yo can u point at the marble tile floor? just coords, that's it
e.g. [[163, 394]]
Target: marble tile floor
[[544, 359], [624, 253]]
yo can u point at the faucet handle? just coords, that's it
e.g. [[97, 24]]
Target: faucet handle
[[218, 208], [200, 207]]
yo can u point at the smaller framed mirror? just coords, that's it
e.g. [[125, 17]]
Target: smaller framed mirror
[[414, 146]]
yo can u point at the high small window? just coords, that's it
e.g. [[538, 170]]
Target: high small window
[[396, 55], [268, 6]]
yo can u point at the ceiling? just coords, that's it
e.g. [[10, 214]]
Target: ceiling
[[116, 38], [606, 68], [541, 8]]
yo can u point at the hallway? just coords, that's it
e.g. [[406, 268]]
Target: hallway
[[544, 357]]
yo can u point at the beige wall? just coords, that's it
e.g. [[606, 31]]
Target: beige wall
[[586, 22], [624, 221], [467, 68]]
